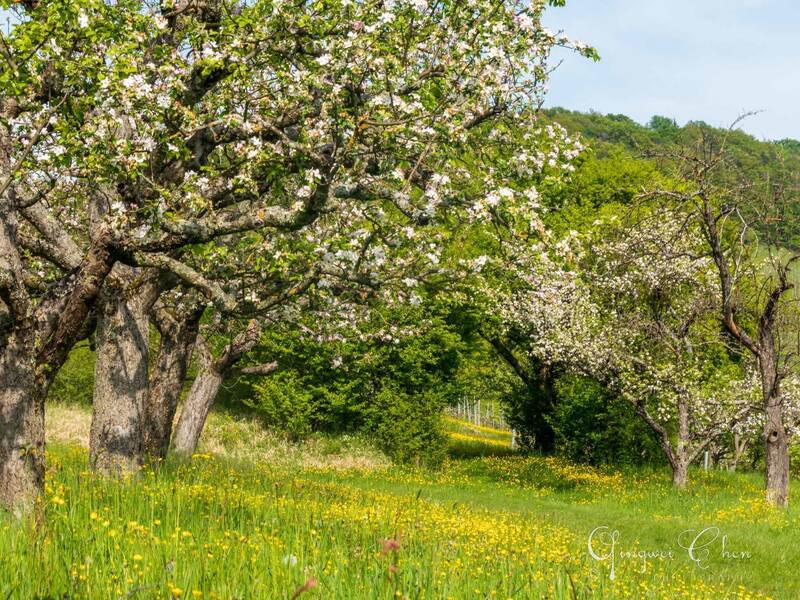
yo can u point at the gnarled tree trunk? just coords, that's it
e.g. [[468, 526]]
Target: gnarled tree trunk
[[766, 349], [21, 401], [36, 341], [166, 380], [21, 427], [121, 371], [198, 402], [776, 444], [777, 457]]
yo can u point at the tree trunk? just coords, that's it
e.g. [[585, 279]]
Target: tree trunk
[[195, 409], [212, 373], [777, 455], [776, 442], [166, 381], [36, 341], [680, 474], [680, 463], [201, 397], [539, 379], [21, 427], [21, 402], [680, 457], [545, 401], [121, 382]]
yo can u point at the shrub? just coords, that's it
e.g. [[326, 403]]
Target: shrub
[[794, 458], [284, 404], [75, 381], [593, 427], [393, 389], [408, 427]]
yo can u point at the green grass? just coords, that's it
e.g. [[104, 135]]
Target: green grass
[[467, 440], [482, 527]]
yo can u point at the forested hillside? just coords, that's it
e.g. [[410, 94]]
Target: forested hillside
[[618, 135]]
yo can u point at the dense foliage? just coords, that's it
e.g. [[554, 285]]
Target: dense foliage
[[392, 385]]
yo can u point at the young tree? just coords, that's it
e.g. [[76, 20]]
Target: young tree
[[742, 221]]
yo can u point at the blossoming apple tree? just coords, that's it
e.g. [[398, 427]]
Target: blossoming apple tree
[[134, 134], [632, 306]]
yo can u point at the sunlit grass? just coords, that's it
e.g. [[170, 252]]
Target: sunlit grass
[[498, 524], [489, 527], [468, 440]]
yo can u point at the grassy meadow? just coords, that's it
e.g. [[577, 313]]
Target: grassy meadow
[[333, 519]]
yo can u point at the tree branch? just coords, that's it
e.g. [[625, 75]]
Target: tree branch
[[244, 218], [264, 369], [58, 247], [211, 289]]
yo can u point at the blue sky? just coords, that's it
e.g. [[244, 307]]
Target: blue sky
[[707, 60]]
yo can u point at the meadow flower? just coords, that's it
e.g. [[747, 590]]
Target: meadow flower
[[290, 560]]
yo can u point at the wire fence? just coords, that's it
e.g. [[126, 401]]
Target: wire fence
[[477, 413]]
